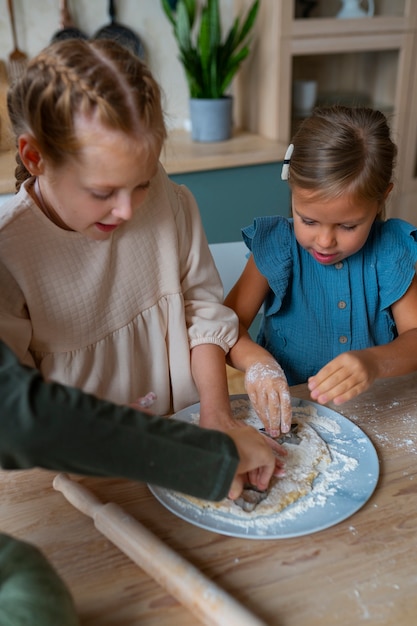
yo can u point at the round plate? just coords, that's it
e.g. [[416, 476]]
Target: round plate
[[340, 491]]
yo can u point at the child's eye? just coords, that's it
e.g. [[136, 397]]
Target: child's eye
[[347, 227], [143, 187], [307, 222], [101, 196]]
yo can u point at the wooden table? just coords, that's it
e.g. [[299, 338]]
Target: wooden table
[[361, 571]]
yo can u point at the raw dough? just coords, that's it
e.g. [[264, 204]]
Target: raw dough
[[303, 464]]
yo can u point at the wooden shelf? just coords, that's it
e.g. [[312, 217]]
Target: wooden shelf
[[325, 27], [345, 42], [182, 155]]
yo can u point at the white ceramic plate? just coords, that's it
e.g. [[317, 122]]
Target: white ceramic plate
[[338, 493]]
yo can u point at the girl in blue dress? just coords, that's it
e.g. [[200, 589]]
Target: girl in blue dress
[[337, 281]]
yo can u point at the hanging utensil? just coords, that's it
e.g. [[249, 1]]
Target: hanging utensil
[[17, 59], [67, 28], [208, 602], [121, 33]]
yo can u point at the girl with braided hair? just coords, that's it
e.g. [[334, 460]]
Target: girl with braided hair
[[106, 279]]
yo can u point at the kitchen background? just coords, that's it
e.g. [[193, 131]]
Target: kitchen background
[[238, 180], [36, 23]]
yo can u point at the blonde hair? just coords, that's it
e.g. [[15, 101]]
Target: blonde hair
[[339, 149], [98, 77]]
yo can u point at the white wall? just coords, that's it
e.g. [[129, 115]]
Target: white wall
[[38, 20], [230, 259], [4, 197]]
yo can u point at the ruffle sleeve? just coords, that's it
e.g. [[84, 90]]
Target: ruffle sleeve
[[272, 242], [396, 258]]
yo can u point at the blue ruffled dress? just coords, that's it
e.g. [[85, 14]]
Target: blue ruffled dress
[[314, 312]]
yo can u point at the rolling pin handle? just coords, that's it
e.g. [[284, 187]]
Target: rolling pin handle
[[210, 604], [80, 497]]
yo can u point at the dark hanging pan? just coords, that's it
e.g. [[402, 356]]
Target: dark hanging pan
[[120, 33], [67, 30]]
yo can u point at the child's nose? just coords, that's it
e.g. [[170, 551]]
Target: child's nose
[[124, 208], [326, 238]]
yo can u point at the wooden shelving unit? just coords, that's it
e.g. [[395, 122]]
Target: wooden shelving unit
[[366, 60]]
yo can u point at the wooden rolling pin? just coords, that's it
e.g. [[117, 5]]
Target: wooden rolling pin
[[210, 604]]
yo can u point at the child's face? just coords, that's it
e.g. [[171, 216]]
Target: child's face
[[100, 189], [331, 229]]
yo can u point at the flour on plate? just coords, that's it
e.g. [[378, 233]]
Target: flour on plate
[[304, 463]]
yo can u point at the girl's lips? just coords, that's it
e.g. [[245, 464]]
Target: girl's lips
[[106, 228], [324, 258]]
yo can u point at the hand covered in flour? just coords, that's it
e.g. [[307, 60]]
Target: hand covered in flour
[[258, 460], [268, 390], [344, 377]]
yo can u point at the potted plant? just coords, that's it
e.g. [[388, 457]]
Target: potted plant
[[209, 62]]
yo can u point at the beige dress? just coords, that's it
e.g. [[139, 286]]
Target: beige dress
[[117, 317]]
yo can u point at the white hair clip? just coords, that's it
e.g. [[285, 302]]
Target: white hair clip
[[285, 172]]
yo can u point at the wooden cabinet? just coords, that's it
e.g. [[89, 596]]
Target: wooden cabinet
[[370, 60]]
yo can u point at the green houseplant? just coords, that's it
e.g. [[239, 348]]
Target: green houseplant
[[210, 62]]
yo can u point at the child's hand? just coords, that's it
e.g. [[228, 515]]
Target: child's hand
[[269, 393], [344, 378], [258, 463]]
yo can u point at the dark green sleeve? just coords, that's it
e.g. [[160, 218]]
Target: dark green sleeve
[[61, 428], [32, 592]]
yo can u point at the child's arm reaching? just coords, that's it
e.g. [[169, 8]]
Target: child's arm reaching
[[62, 428], [208, 366], [351, 373], [265, 382]]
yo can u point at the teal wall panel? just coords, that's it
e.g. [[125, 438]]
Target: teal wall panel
[[231, 198]]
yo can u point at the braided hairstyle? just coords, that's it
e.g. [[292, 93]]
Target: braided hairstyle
[[341, 149], [72, 77]]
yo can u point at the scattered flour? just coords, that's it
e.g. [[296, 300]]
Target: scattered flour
[[330, 478]]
